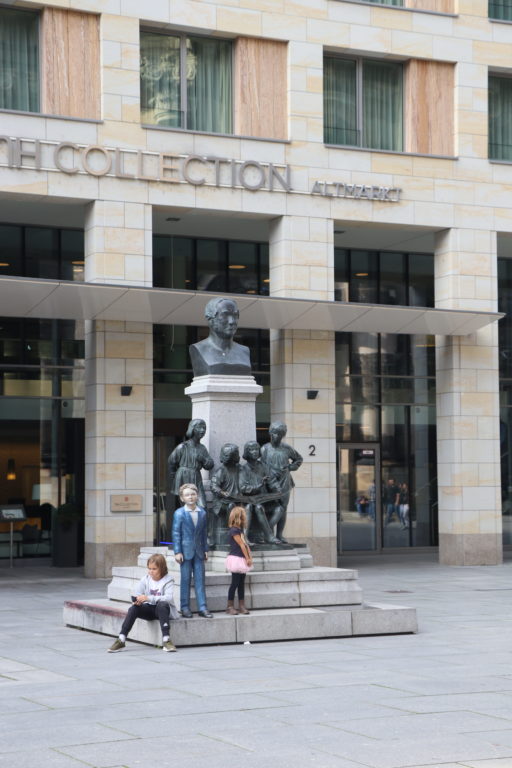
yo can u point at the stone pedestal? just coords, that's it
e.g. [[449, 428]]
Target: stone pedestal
[[227, 405]]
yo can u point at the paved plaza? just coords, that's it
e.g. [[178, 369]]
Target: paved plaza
[[442, 697]]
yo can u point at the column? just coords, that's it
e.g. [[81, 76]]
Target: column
[[302, 265], [119, 427], [468, 404]]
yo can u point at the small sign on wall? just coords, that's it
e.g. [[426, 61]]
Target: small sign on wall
[[130, 503]]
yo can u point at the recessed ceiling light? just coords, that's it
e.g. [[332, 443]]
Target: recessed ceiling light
[[237, 266], [361, 274], [4, 264], [266, 280], [78, 263]]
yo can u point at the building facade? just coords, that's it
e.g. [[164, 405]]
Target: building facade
[[344, 167]]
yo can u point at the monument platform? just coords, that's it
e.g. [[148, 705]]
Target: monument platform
[[290, 604]]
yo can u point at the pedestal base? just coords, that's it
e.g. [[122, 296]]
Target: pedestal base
[[288, 604]]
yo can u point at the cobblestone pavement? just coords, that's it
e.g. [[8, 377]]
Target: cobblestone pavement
[[442, 697]]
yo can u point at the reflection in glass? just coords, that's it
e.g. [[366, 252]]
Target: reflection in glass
[[160, 76], [72, 255], [394, 354], [423, 476], [243, 267], [357, 423], [395, 472], [421, 280], [363, 276], [341, 274], [357, 499]]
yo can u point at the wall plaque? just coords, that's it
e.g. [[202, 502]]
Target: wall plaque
[[131, 502]]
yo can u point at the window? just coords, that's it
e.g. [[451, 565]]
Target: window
[[363, 103], [186, 82], [19, 60], [500, 117], [384, 277], [500, 9]]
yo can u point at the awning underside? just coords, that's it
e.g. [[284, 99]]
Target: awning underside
[[46, 299]]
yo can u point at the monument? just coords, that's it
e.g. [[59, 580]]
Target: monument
[[223, 393], [297, 599]]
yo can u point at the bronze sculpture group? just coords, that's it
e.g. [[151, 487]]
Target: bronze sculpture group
[[263, 483]]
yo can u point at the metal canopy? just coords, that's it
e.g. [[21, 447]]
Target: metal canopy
[[63, 300]]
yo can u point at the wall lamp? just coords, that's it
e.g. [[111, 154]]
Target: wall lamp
[[312, 394], [126, 390]]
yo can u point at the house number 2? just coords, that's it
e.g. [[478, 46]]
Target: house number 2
[[312, 450]]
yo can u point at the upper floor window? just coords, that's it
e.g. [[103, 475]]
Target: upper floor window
[[363, 103], [19, 60], [186, 82], [500, 117], [500, 9]]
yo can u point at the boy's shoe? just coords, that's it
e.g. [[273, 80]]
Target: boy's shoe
[[168, 646], [117, 646]]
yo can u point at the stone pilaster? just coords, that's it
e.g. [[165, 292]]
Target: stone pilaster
[[118, 442], [119, 428], [301, 265], [468, 444], [118, 243]]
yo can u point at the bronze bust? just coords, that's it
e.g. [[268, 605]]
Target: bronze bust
[[219, 354]]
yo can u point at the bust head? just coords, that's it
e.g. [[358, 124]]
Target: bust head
[[252, 451], [197, 428], [229, 454], [277, 431], [222, 316]]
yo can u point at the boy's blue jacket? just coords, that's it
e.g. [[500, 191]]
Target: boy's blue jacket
[[187, 539]]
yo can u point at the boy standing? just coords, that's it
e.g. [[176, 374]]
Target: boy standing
[[189, 535]]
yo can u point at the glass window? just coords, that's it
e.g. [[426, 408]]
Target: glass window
[[394, 354], [363, 276], [42, 252], [11, 250], [243, 267], [72, 255], [211, 265], [160, 74], [264, 270], [500, 9], [173, 262], [341, 274], [186, 82], [421, 280], [363, 103], [500, 118], [392, 278], [19, 60]]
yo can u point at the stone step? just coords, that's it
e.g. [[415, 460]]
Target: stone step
[[106, 616], [264, 589], [294, 557]]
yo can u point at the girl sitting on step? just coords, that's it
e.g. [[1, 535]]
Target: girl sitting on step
[[153, 599]]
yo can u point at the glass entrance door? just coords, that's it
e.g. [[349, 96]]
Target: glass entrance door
[[359, 504]]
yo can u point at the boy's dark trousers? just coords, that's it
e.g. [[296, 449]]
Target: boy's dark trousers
[[148, 612]]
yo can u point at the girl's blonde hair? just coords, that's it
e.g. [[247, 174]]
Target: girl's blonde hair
[[237, 518], [160, 562]]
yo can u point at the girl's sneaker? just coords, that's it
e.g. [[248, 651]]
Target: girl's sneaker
[[168, 647], [117, 646]]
